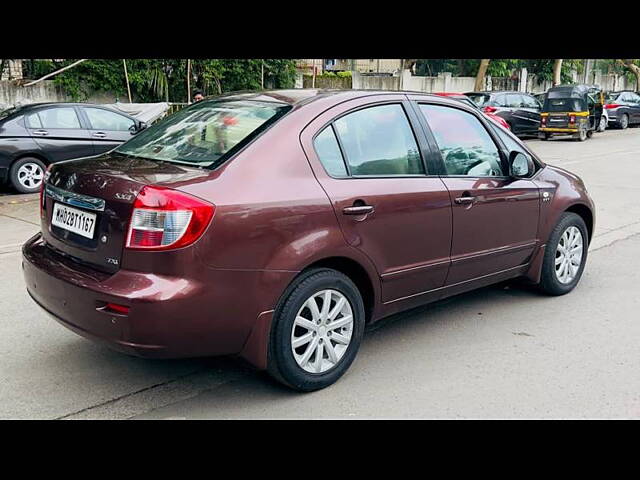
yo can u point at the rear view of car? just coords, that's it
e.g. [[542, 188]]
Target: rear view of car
[[121, 254]]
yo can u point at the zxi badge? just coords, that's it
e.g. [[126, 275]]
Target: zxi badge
[[124, 196]]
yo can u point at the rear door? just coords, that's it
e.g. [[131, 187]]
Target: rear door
[[531, 111], [108, 129], [495, 217], [370, 160], [634, 106], [520, 117], [59, 132]]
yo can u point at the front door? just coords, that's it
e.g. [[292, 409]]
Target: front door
[[369, 160], [108, 129], [59, 133], [495, 217]]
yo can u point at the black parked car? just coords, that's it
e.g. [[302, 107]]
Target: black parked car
[[520, 110], [623, 108], [33, 136]]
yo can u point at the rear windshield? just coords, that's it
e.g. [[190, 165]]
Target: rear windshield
[[204, 134], [7, 112], [611, 97], [467, 100], [563, 105], [478, 98]]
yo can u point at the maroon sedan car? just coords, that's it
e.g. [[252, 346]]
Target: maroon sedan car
[[276, 225]]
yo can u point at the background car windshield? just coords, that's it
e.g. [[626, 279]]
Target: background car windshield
[[203, 133]]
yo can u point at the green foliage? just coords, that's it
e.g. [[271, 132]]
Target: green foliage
[[165, 79]]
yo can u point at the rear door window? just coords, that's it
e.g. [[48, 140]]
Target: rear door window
[[329, 153], [379, 141], [33, 121], [59, 117], [465, 145], [499, 100], [514, 100]]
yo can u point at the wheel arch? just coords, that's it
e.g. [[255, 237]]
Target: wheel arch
[[357, 273], [586, 214]]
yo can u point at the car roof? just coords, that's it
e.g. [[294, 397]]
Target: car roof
[[302, 96]]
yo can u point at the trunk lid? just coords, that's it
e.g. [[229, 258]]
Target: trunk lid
[[100, 192]]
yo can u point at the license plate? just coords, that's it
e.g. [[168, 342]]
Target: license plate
[[73, 220]]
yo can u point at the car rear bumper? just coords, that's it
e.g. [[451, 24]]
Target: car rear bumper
[[558, 130], [169, 317]]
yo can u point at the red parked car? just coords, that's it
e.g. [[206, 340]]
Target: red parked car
[[275, 225], [464, 99]]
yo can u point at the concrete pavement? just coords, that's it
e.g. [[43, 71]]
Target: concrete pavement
[[501, 352]]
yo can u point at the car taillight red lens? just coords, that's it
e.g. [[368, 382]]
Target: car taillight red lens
[[44, 181], [572, 119], [543, 121], [612, 105], [164, 219], [489, 109]]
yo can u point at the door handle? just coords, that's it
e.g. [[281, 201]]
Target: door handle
[[464, 200], [360, 210], [40, 132], [100, 134]]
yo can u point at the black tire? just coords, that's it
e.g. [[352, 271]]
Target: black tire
[[543, 136], [581, 136], [602, 126], [624, 121], [589, 133], [281, 363], [549, 282], [15, 171]]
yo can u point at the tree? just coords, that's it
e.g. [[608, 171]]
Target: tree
[[632, 66], [557, 71], [482, 70]]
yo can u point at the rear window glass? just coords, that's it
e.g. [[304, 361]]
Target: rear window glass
[[564, 105], [478, 98], [206, 133]]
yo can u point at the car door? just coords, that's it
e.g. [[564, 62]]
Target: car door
[[634, 104], [495, 217], [108, 129], [370, 160], [520, 117], [531, 111], [59, 132]]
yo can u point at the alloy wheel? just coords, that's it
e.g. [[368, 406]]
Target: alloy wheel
[[30, 175], [624, 121], [569, 255], [322, 331]]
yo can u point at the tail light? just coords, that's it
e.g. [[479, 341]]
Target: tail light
[[612, 105], [543, 121], [164, 219], [572, 119], [44, 181], [489, 109]]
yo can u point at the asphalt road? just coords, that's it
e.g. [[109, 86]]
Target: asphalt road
[[501, 352]]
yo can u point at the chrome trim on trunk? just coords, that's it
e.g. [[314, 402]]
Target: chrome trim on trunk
[[75, 199]]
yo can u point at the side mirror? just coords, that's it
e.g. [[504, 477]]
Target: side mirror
[[520, 165], [138, 127]]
